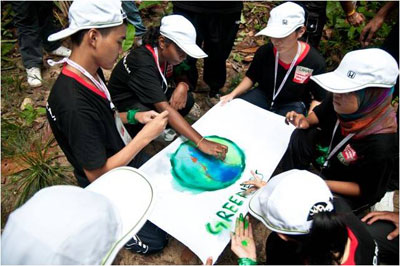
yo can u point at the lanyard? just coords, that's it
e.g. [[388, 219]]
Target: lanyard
[[154, 52], [274, 95], [100, 85], [339, 145]]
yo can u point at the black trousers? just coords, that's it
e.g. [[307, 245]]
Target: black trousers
[[34, 21], [215, 34], [388, 249]]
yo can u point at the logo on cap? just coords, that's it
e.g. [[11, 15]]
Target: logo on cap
[[317, 208], [351, 74], [284, 21]]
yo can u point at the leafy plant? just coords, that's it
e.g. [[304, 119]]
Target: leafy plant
[[130, 37], [147, 4], [40, 169], [29, 114]]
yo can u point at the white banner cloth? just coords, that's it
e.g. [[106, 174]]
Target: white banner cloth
[[263, 137]]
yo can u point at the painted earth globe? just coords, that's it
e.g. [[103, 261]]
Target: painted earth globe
[[194, 169]]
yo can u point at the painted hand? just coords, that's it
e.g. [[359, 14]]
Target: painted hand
[[298, 120], [179, 96], [393, 217], [145, 117], [257, 183], [226, 98], [242, 242], [213, 148]]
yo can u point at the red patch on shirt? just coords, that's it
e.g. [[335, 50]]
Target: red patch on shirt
[[348, 155]]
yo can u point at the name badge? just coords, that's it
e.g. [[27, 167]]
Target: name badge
[[302, 74], [126, 138]]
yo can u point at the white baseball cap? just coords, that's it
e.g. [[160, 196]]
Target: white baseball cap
[[72, 225], [283, 20], [88, 14], [360, 69], [289, 200], [181, 31]]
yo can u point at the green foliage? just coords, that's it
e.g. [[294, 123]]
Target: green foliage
[[41, 169], [345, 37], [29, 114], [147, 4], [235, 81], [130, 37]]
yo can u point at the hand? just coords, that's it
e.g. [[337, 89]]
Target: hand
[[393, 217], [154, 127], [179, 96], [298, 120], [370, 29], [257, 183], [214, 149], [242, 242], [209, 261], [226, 98], [356, 19], [145, 117]]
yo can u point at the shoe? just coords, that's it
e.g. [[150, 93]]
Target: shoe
[[34, 77], [168, 134], [213, 100], [136, 245], [195, 112], [61, 51]]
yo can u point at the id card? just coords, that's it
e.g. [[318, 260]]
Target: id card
[[302, 74], [126, 138]]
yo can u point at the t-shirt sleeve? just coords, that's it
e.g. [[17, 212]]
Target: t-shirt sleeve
[[86, 137], [320, 67], [145, 80], [255, 70]]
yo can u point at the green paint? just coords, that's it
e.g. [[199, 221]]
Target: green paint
[[241, 217], [225, 216], [217, 228], [246, 223], [244, 243], [196, 171], [230, 207]]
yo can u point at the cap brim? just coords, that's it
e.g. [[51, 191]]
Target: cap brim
[[335, 83], [68, 31], [61, 34], [277, 31], [132, 195], [193, 50]]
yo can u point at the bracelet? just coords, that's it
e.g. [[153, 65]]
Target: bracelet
[[130, 116], [246, 261], [198, 143], [351, 12]]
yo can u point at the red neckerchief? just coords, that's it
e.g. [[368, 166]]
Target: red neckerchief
[[79, 79], [353, 247], [155, 56], [301, 57]]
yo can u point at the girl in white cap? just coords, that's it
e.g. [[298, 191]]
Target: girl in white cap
[[356, 126], [145, 79], [80, 112], [283, 67], [308, 225]]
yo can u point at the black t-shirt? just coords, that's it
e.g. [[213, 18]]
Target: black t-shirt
[[298, 85], [210, 7], [83, 124], [368, 161], [363, 249], [136, 79]]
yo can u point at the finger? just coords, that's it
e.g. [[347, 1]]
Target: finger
[[255, 176], [249, 191], [162, 115], [246, 226], [393, 234], [250, 230], [237, 227], [369, 215], [241, 225], [209, 261], [376, 218]]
